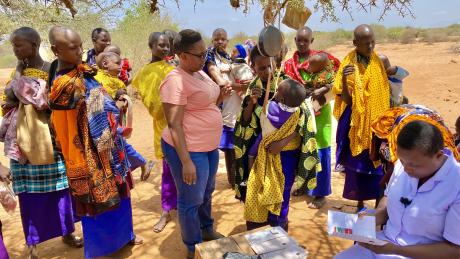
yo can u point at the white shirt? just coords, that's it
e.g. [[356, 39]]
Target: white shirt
[[432, 216], [434, 212]]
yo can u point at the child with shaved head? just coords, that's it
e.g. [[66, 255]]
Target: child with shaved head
[[285, 151], [125, 67], [107, 76], [321, 75]]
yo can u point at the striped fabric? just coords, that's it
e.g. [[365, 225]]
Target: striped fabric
[[39, 178]]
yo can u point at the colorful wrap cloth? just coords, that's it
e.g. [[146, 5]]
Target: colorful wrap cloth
[[85, 119], [266, 179], [388, 125], [370, 92], [30, 114], [294, 66]]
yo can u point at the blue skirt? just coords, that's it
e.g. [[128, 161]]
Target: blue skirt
[[323, 178], [226, 140], [107, 233]]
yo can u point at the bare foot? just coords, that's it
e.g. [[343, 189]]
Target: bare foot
[[317, 203], [33, 252], [162, 222], [136, 241]]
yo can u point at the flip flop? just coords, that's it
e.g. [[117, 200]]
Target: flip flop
[[150, 165]]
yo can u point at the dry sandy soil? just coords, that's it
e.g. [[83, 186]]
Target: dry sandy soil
[[433, 82]]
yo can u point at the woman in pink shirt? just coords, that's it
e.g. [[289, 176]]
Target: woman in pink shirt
[[191, 139]]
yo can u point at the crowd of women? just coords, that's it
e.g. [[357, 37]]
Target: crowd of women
[[66, 124]]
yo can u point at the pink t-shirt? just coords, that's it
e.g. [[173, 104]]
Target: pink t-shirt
[[202, 121]]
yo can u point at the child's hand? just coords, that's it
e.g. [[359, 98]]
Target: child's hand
[[256, 93], [392, 70], [276, 147], [226, 90]]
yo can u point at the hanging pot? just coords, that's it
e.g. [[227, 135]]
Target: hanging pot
[[270, 41]]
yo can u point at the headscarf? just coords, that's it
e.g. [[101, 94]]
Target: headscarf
[[241, 51]]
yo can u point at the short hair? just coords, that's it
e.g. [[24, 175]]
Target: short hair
[[321, 56], [28, 34], [305, 29], [153, 38], [104, 56], [185, 39], [421, 135], [171, 35], [95, 33], [113, 48], [255, 52], [457, 122], [53, 31], [296, 91], [218, 30]]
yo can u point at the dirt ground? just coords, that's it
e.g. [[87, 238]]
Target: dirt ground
[[433, 82]]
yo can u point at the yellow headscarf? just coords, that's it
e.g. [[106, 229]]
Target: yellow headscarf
[[370, 91], [147, 81], [391, 122]]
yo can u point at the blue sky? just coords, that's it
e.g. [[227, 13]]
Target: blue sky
[[211, 14]]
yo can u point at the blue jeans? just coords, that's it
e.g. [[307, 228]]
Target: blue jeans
[[194, 201]]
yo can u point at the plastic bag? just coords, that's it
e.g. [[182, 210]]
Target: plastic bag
[[7, 197]]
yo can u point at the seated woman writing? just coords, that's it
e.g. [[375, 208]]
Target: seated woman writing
[[421, 207]]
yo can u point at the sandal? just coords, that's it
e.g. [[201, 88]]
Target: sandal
[[73, 241], [146, 174]]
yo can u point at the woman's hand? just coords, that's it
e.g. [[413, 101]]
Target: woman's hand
[[320, 92], [348, 70], [189, 172], [388, 248]]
